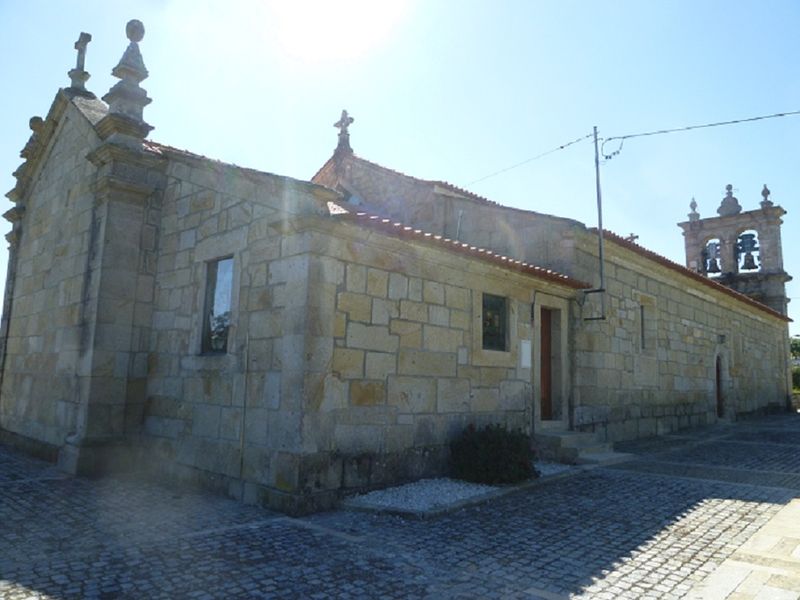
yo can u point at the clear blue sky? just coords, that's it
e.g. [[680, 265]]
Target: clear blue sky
[[455, 90]]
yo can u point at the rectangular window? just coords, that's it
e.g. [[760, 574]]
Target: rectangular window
[[648, 325], [642, 322], [495, 323], [217, 314]]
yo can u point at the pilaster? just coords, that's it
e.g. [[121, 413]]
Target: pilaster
[[127, 189]]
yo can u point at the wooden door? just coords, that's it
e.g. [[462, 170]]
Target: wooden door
[[546, 386]]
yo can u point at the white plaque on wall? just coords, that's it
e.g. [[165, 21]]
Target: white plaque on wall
[[525, 354]]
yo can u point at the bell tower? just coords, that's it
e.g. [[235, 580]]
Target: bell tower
[[740, 249]]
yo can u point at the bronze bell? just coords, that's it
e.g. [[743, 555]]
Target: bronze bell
[[711, 256], [749, 262]]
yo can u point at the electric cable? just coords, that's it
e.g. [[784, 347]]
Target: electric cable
[[533, 158], [622, 138]]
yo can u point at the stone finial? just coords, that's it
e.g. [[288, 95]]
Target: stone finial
[[730, 204], [36, 124], [126, 99], [344, 135], [78, 76], [694, 215], [766, 202]]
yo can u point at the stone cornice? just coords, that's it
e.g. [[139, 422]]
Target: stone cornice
[[770, 214], [109, 153], [119, 124], [124, 173]]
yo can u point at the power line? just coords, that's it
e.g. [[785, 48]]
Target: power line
[[537, 157], [622, 138]]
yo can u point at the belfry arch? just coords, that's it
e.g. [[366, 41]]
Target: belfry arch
[[740, 249]]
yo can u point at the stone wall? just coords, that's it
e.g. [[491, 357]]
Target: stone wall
[[619, 389], [445, 210], [353, 356], [49, 338], [650, 367], [224, 418], [396, 365]]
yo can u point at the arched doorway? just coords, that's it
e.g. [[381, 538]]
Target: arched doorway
[[720, 399]]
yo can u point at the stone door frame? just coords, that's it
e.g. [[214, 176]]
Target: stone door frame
[[560, 381]]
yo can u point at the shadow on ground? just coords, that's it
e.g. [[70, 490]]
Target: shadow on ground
[[653, 526]]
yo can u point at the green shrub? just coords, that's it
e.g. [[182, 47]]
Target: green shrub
[[796, 379], [491, 455]]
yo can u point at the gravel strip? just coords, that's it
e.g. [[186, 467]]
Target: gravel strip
[[431, 494], [422, 495]]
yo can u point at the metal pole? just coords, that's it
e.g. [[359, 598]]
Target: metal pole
[[602, 287]]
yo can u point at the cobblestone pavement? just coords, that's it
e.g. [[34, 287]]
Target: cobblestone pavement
[[650, 528]]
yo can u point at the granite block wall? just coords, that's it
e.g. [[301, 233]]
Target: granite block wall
[[650, 367], [49, 339]]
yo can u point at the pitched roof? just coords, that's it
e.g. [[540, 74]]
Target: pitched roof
[[649, 254], [402, 231], [92, 108], [464, 193], [166, 150], [95, 109], [672, 265]]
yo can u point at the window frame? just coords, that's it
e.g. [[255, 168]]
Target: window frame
[[501, 309], [209, 298], [647, 324]]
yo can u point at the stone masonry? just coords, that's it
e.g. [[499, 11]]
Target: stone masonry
[[648, 365], [353, 343]]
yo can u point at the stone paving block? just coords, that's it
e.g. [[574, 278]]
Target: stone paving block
[[603, 533]]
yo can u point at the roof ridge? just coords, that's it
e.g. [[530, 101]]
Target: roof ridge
[[469, 195], [159, 147], [433, 181]]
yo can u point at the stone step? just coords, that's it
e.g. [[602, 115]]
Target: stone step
[[568, 446], [608, 457]]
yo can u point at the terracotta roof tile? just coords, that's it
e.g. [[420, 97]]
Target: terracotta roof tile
[[400, 230]]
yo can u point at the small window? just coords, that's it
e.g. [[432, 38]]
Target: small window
[[642, 327], [648, 327], [495, 319], [217, 314]]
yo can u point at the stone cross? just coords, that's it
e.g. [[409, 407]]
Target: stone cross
[[80, 46], [344, 136], [78, 75], [343, 123]]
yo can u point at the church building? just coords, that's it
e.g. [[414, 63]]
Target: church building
[[287, 342]]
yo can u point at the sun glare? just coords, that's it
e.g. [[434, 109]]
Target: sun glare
[[322, 31]]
